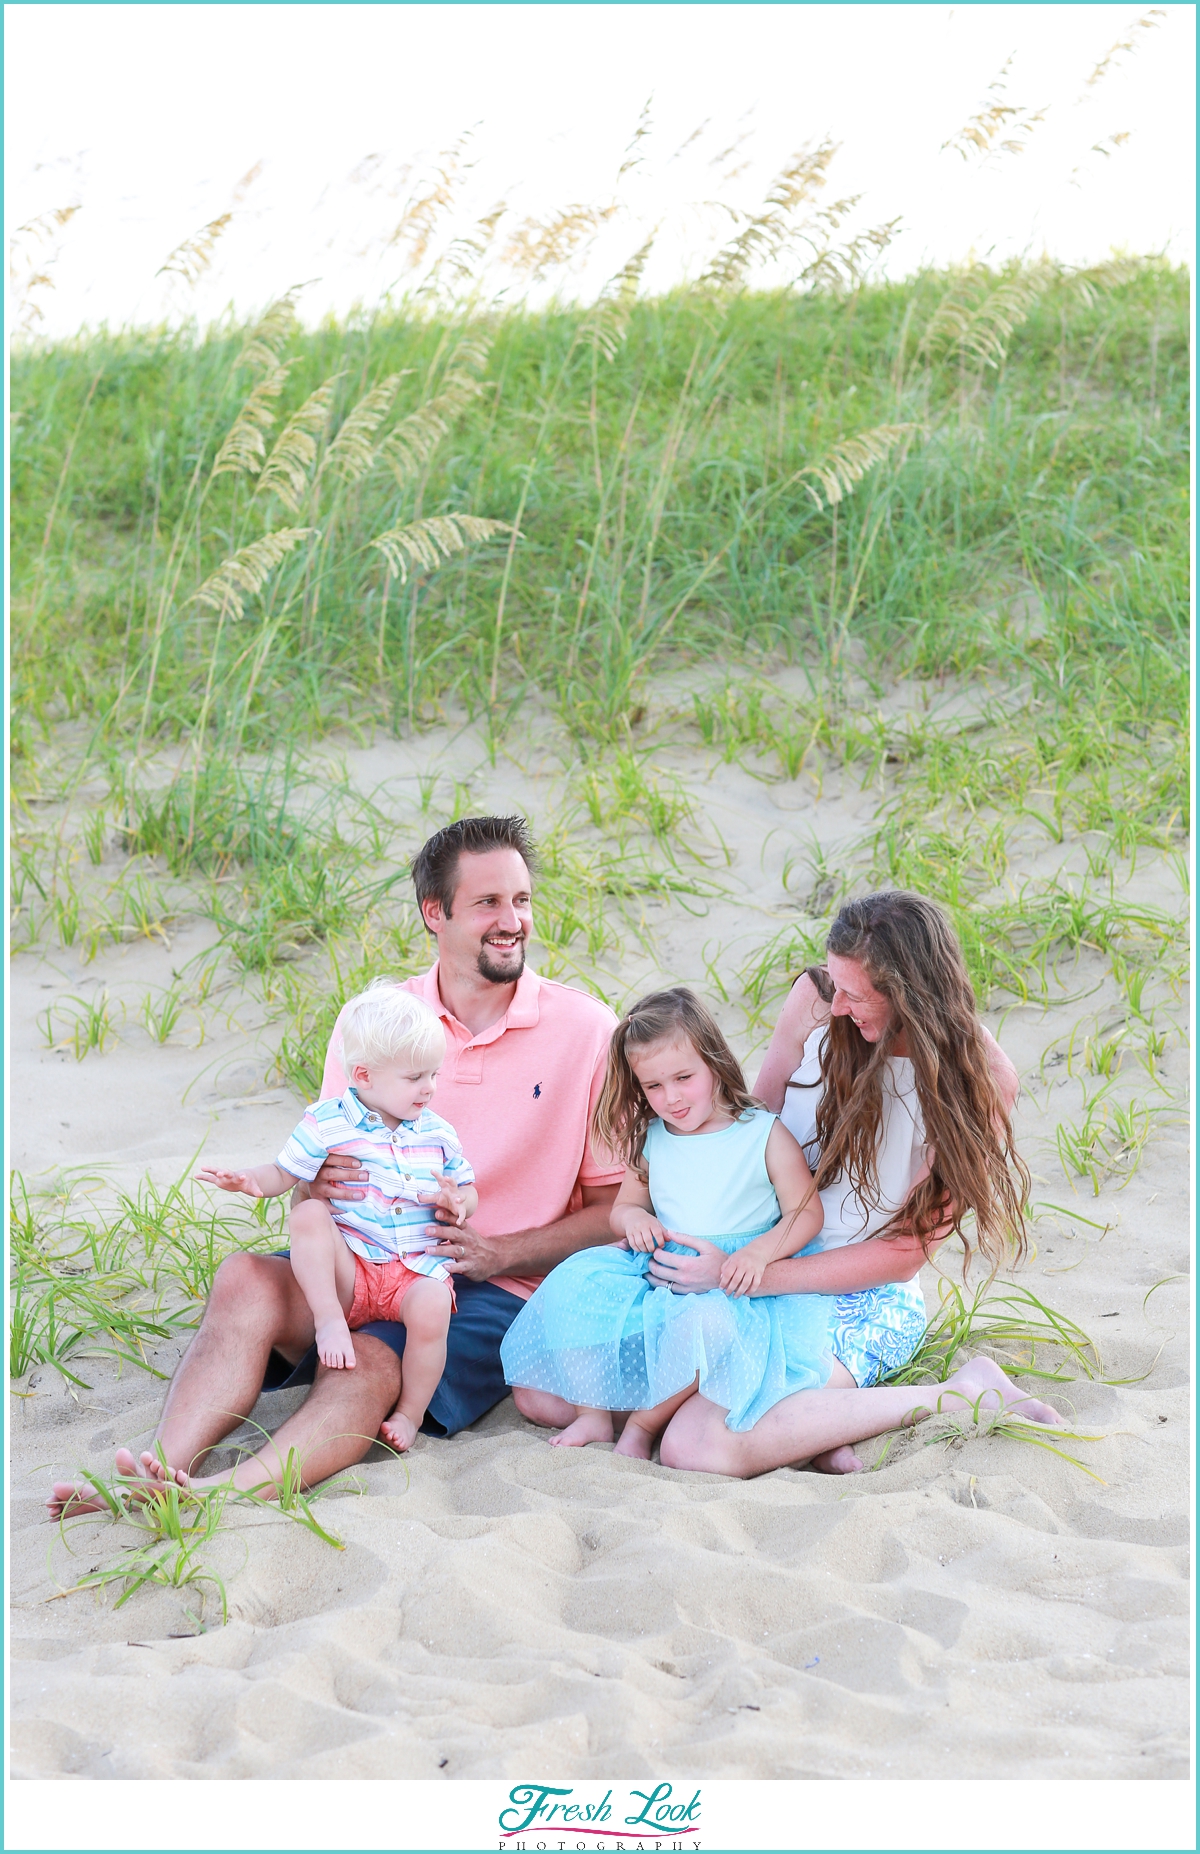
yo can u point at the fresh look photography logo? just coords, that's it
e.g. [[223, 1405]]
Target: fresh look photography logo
[[563, 1816]]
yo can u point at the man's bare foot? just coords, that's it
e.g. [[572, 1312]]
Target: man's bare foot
[[635, 1441], [142, 1480], [984, 1387], [837, 1461], [335, 1348], [589, 1426], [69, 1500], [398, 1431]]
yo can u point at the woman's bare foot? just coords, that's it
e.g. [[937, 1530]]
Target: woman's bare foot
[[837, 1461], [983, 1386], [589, 1426], [69, 1500], [398, 1431], [635, 1441], [335, 1348]]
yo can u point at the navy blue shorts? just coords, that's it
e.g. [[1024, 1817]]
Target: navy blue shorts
[[473, 1381]]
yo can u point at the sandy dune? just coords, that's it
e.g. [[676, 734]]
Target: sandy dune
[[980, 1608]]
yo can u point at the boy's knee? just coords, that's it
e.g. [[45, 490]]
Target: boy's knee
[[426, 1310], [308, 1218]]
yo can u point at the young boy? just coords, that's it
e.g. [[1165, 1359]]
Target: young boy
[[366, 1260]]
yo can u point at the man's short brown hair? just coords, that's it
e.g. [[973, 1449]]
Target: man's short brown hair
[[434, 868]]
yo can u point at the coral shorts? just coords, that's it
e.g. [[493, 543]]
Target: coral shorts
[[379, 1289]]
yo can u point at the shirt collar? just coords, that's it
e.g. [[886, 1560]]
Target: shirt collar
[[522, 1014]]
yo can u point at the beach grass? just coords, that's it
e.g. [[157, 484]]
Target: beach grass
[[231, 546]]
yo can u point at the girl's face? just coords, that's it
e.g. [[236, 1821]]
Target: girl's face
[[856, 998], [678, 1086]]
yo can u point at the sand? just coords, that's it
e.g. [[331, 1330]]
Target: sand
[[974, 1608]]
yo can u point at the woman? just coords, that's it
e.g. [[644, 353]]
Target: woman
[[902, 1102]]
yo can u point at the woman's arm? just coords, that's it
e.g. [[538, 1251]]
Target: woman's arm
[[803, 1009]]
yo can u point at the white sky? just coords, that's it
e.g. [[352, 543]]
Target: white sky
[[148, 116]]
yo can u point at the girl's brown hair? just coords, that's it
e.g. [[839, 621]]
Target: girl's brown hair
[[622, 1118], [911, 956]]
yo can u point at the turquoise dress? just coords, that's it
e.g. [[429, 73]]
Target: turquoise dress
[[602, 1334]]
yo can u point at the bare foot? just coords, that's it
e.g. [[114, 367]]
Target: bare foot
[[837, 1461], [398, 1431], [589, 1426], [68, 1500], [335, 1348], [142, 1480], [984, 1387], [635, 1441]]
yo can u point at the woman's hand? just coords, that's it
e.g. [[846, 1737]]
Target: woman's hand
[[644, 1232], [688, 1274], [743, 1271]]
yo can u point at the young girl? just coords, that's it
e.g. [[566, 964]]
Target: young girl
[[703, 1159], [366, 1261]]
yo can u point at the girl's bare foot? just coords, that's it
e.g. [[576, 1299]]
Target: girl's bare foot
[[69, 1500], [983, 1386], [398, 1431], [837, 1461], [335, 1348], [589, 1426], [635, 1441]]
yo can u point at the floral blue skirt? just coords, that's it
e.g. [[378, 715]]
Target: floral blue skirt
[[601, 1334], [878, 1329]]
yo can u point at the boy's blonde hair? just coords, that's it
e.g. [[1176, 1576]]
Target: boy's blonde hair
[[385, 1023]]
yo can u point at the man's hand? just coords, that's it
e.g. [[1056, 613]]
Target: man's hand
[[466, 1252], [689, 1274], [338, 1173], [245, 1182]]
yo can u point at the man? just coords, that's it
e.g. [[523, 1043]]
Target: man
[[524, 1067]]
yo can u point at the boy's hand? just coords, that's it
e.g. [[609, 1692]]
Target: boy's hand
[[244, 1182], [742, 1272], [645, 1232], [451, 1198]]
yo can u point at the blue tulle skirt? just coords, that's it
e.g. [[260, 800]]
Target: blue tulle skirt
[[601, 1334]]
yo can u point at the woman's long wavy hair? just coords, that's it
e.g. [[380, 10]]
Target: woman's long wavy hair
[[911, 956], [622, 1118]]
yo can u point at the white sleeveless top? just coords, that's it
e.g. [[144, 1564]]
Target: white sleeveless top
[[899, 1154]]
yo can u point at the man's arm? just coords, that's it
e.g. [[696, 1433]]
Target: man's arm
[[528, 1252]]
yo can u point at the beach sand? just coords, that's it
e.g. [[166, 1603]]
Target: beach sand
[[976, 1607]]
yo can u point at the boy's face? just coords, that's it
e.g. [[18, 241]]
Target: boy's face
[[491, 918], [398, 1090]]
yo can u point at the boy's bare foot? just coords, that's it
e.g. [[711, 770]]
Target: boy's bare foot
[[635, 1441], [589, 1426], [837, 1461], [983, 1386], [398, 1431], [335, 1348]]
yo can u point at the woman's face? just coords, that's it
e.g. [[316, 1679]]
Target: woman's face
[[856, 998]]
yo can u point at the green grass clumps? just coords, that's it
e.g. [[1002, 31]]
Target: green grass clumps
[[196, 519], [119, 1283]]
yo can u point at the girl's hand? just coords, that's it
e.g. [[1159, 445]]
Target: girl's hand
[[245, 1182], [689, 1274], [742, 1272], [645, 1233]]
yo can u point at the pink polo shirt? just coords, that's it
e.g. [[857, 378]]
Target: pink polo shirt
[[520, 1096]]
